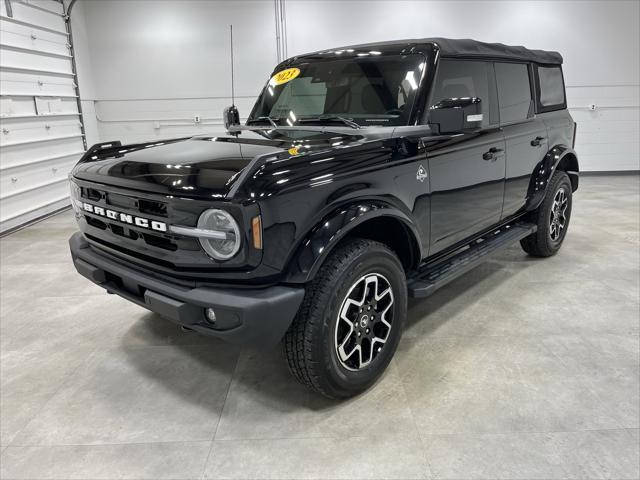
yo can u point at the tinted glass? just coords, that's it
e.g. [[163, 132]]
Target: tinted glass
[[372, 90], [462, 78], [551, 86], [514, 91]]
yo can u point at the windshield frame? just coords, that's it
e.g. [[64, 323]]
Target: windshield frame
[[354, 53]]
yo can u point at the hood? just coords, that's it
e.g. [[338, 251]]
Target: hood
[[202, 166]]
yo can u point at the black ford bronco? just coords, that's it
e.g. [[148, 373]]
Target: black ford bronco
[[363, 175]]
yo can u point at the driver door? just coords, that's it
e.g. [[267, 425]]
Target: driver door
[[468, 172]]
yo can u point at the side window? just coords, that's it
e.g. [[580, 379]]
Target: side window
[[551, 88], [466, 78], [514, 91]]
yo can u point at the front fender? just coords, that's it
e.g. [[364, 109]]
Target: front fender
[[543, 172], [323, 238]]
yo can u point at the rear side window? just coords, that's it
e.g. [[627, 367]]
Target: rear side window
[[514, 92], [551, 88], [466, 78]]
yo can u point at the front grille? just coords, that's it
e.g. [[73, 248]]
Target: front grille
[[125, 232], [114, 229], [129, 203], [149, 207], [132, 253]]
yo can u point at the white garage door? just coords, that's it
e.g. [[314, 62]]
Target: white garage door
[[42, 134]]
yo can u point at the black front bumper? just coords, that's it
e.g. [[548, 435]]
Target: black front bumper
[[254, 317]]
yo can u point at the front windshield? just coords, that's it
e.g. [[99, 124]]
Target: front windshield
[[367, 90]]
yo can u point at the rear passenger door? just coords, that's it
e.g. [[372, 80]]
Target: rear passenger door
[[525, 135]]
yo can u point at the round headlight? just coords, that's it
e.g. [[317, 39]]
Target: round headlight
[[219, 221], [76, 195]]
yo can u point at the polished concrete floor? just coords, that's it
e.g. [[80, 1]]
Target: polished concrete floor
[[523, 368]]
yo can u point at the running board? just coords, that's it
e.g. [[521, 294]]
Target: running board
[[431, 277]]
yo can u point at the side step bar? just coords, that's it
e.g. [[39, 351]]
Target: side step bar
[[433, 276]]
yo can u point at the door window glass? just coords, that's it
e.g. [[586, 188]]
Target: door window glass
[[514, 91], [551, 86], [463, 78]]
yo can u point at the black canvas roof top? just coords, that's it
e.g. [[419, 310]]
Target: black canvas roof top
[[450, 47], [472, 48]]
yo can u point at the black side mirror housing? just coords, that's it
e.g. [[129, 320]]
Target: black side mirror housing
[[231, 117], [455, 115]]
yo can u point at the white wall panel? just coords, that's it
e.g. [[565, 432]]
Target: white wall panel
[[145, 120], [41, 133], [599, 40], [156, 65]]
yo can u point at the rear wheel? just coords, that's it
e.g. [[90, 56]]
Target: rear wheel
[[350, 321], [552, 218]]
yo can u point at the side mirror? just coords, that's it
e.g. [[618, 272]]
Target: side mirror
[[231, 117], [454, 115]]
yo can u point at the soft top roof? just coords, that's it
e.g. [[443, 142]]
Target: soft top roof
[[450, 47], [472, 48]]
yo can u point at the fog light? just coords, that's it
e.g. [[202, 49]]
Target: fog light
[[211, 315]]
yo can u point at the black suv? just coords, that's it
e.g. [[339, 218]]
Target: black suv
[[363, 175]]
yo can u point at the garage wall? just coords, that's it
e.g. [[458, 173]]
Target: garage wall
[[41, 130], [599, 40], [157, 64]]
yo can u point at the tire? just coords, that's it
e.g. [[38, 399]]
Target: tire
[[552, 218], [357, 270]]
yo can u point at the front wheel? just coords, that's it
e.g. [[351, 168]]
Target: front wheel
[[552, 218], [350, 321]]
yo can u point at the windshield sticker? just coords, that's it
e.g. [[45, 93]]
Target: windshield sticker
[[284, 76]]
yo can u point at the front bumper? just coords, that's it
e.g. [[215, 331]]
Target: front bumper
[[253, 317]]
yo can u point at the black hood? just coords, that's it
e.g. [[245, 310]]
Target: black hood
[[193, 167]]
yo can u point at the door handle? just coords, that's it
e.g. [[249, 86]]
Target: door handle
[[538, 141], [491, 154]]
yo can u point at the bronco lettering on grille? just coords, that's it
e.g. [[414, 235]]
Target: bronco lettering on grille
[[125, 218]]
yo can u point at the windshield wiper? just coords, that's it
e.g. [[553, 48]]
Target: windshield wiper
[[330, 118], [271, 120]]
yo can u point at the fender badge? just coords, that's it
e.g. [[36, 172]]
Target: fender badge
[[422, 174]]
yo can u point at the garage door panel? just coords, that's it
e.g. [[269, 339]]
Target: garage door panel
[[28, 177], [26, 105], [37, 61], [26, 153], [40, 132], [50, 5], [31, 40], [27, 13], [10, 106], [17, 205], [35, 86]]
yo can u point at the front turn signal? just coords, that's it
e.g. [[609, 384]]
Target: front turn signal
[[256, 229]]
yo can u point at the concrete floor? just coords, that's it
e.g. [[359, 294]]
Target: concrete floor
[[521, 369]]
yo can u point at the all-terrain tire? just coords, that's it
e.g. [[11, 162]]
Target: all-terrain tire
[[552, 218], [312, 344]]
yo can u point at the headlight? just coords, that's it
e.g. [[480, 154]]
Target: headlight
[[76, 195], [220, 221]]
